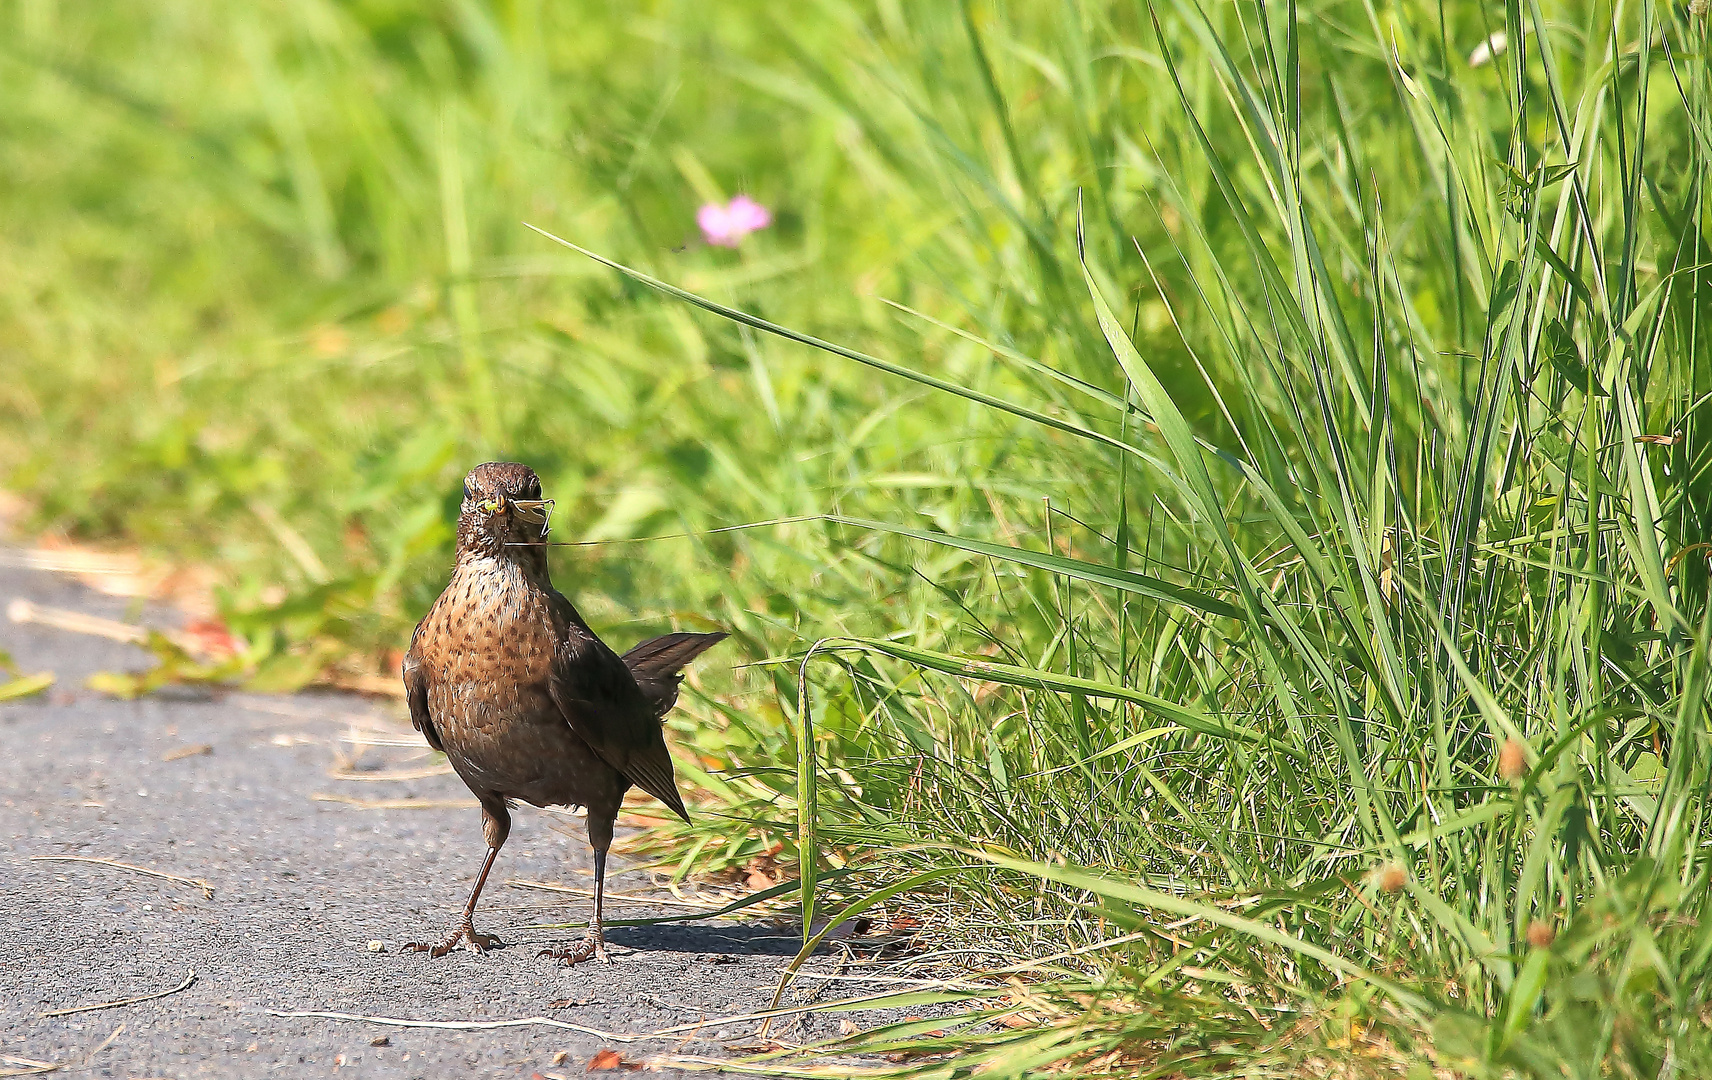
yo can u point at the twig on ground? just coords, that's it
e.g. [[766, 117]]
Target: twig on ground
[[670, 1033], [195, 883], [459, 1025], [182, 752], [76, 622], [31, 1067], [395, 804], [188, 979], [105, 1043]]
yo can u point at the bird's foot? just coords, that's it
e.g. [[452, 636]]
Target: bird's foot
[[465, 936], [592, 947]]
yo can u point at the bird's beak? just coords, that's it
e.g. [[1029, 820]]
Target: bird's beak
[[534, 511]]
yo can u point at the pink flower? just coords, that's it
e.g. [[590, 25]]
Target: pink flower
[[726, 226]]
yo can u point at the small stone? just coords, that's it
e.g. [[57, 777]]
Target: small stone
[[377, 946], [561, 1057], [382, 1041]]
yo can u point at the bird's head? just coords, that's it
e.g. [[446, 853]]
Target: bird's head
[[502, 511]]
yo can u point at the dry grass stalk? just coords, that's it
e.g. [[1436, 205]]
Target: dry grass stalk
[[198, 883], [188, 979]]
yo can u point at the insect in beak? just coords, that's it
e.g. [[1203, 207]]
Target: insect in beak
[[534, 511]]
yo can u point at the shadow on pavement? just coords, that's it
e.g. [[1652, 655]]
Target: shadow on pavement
[[727, 939]]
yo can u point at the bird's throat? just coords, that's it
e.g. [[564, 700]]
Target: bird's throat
[[484, 551]]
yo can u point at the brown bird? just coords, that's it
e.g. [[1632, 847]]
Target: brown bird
[[527, 703]]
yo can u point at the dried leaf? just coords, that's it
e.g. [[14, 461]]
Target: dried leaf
[[25, 685], [605, 1061], [209, 638], [762, 872]]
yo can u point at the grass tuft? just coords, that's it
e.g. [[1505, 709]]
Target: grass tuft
[[1237, 475]]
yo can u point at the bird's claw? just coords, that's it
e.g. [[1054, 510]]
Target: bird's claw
[[592, 947], [465, 935]]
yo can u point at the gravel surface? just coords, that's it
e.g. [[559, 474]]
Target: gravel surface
[[301, 889]]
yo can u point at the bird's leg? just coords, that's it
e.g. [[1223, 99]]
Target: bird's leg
[[593, 944], [466, 933], [496, 825]]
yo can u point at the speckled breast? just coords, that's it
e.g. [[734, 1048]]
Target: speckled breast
[[488, 647]]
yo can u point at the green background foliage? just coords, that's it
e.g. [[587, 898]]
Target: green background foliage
[[1248, 426]]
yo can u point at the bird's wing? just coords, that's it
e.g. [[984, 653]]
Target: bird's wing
[[601, 701], [656, 663], [416, 692]]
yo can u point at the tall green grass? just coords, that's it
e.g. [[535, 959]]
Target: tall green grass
[[1446, 612], [1262, 484]]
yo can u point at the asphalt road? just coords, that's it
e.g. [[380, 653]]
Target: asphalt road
[[300, 890]]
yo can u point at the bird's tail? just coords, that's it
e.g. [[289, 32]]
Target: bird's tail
[[667, 654], [650, 768], [656, 663]]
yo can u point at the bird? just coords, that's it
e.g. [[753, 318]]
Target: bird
[[526, 701]]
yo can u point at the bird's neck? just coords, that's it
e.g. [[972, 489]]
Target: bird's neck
[[483, 553]]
